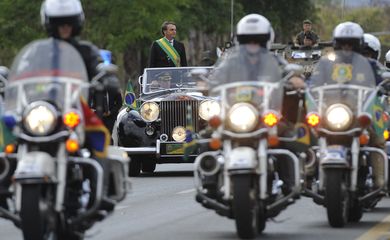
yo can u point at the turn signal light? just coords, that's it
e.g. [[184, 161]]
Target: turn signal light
[[270, 119], [71, 119], [313, 119], [364, 120], [273, 140], [215, 144], [386, 134], [72, 145], [10, 148], [363, 139], [215, 121]]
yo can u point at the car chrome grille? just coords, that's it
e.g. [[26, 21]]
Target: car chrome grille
[[173, 114]]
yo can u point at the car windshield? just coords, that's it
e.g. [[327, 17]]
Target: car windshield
[[162, 79], [48, 70]]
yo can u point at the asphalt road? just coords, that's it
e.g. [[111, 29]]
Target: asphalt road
[[162, 206]]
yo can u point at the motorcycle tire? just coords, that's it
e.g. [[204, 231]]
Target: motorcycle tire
[[35, 223], [336, 198], [245, 205], [261, 217], [355, 212]]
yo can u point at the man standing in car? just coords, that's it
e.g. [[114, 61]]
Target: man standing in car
[[307, 33], [166, 51]]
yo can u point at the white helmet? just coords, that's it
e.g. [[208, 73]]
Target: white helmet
[[373, 45], [57, 12], [255, 28], [348, 32], [387, 59]]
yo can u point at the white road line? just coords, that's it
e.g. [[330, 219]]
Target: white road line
[[187, 191], [378, 231]]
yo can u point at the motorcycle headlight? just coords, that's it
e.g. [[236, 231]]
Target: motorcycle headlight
[[149, 111], [40, 118], [209, 108], [338, 117], [243, 117]]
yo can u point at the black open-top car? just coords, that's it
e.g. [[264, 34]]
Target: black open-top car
[[171, 101]]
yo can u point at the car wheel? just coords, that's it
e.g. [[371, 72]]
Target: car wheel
[[148, 166], [134, 167]]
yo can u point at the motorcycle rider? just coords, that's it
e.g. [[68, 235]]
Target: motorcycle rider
[[255, 34], [349, 37], [387, 60], [64, 19]]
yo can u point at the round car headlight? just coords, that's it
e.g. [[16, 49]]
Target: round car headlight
[[40, 118], [338, 117], [179, 134], [149, 111], [243, 117], [209, 108]]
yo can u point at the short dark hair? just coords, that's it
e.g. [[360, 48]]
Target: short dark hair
[[164, 26]]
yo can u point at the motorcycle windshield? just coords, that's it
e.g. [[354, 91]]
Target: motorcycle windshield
[[49, 70], [342, 77], [250, 75], [343, 67]]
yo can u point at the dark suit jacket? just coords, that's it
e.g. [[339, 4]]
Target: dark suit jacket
[[158, 58]]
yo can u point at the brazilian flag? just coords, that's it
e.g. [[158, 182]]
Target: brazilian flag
[[130, 99]]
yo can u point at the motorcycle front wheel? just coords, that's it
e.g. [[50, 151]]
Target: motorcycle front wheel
[[245, 206], [37, 221], [336, 198]]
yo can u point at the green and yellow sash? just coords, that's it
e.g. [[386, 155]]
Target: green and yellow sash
[[169, 50]]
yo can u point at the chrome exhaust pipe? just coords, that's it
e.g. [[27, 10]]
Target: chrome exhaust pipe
[[207, 163], [4, 168]]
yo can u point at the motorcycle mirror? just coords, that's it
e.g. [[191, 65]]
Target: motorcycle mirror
[[295, 68]]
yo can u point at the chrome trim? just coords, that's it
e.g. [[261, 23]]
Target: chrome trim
[[99, 188], [139, 150], [51, 138], [349, 132], [295, 160], [385, 158], [256, 133]]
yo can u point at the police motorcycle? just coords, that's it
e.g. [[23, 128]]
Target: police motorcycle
[[237, 175], [344, 104], [58, 190]]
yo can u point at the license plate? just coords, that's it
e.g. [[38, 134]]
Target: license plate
[[336, 152], [174, 149]]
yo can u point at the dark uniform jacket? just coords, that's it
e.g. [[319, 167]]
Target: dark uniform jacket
[[158, 58], [302, 35]]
